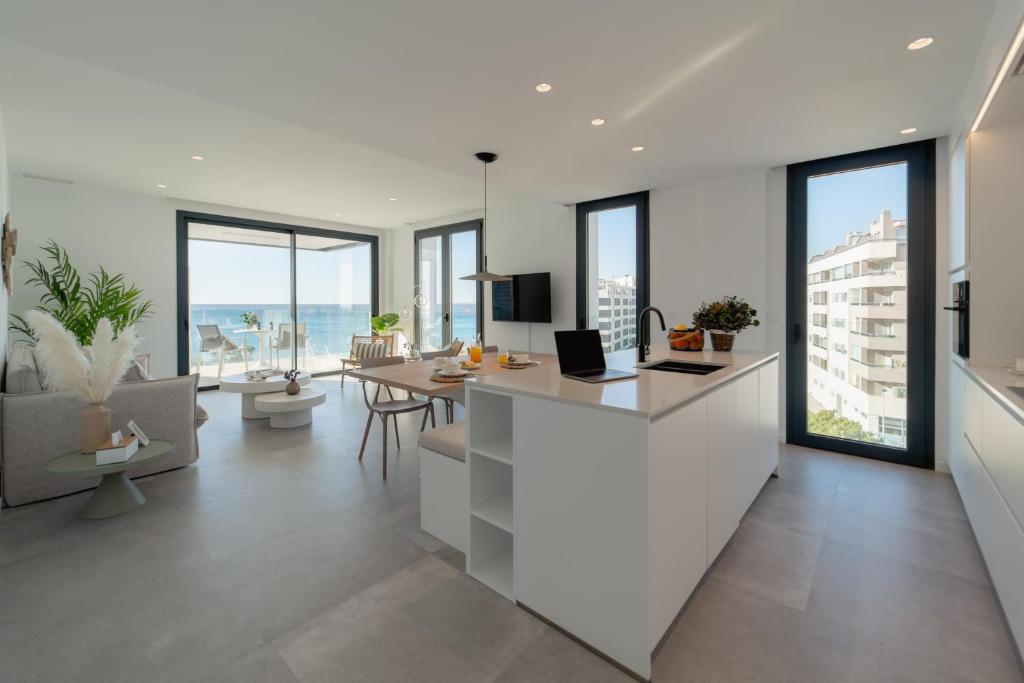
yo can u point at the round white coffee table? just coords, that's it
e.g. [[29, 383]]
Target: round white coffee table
[[293, 410], [238, 384]]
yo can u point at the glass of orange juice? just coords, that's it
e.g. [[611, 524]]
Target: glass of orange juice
[[476, 350], [503, 356]]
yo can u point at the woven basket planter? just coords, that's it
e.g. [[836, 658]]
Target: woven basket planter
[[722, 341]]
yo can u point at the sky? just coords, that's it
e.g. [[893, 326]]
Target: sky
[[847, 202], [616, 253], [233, 273]]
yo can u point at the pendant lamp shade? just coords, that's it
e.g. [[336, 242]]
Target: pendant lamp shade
[[485, 275]]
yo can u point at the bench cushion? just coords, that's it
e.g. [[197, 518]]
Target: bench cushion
[[450, 441]]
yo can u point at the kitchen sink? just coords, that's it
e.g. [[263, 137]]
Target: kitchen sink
[[684, 368]]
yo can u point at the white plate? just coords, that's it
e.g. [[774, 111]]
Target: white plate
[[460, 373], [1015, 371]]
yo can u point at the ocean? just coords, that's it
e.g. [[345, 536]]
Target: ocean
[[330, 327]]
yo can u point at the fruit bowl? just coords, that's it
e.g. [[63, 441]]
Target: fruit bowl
[[689, 339]]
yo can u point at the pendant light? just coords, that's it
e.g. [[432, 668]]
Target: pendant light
[[485, 275]]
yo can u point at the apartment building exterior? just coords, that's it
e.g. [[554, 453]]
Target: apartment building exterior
[[857, 329], [616, 312]]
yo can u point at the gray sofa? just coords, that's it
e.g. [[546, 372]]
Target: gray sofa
[[37, 426]]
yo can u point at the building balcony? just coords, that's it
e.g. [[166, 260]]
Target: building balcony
[[879, 342], [880, 372], [879, 311]]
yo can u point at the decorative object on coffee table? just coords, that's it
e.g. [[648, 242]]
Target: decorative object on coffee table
[[293, 385], [116, 494], [92, 376], [724, 319]]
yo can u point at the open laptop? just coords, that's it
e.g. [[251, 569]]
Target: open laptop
[[581, 357]]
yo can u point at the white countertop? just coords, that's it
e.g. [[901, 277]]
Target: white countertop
[[995, 381], [650, 395]]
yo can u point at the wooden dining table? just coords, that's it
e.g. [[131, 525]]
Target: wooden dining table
[[414, 376]]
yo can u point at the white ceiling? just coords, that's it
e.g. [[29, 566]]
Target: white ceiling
[[314, 107]]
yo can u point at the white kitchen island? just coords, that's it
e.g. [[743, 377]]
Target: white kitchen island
[[599, 507]]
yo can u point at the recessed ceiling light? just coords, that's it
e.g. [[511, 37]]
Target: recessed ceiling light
[[597, 122], [196, 157], [161, 186], [543, 87], [638, 148], [392, 199], [920, 43], [908, 131]]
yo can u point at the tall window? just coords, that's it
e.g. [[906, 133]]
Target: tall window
[[861, 249], [612, 267], [447, 307], [310, 290]]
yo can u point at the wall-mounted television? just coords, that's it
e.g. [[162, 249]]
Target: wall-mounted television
[[525, 299]]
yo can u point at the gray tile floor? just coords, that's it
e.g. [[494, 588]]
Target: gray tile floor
[[278, 557]]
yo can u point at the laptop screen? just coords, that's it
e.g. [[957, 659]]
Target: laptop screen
[[579, 350]]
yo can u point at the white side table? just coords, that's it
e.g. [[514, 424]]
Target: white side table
[[290, 410], [238, 384], [262, 339]]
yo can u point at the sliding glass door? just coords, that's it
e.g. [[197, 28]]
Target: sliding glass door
[[334, 293], [447, 307], [253, 294], [612, 267], [861, 295]]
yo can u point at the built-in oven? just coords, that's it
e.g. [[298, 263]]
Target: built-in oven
[[962, 322]]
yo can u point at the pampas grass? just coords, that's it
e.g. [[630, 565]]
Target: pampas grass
[[67, 366]]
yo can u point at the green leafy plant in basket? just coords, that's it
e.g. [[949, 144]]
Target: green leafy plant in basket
[[385, 323], [724, 318], [79, 306]]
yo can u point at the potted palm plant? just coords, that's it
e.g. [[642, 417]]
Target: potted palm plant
[[385, 323], [724, 319]]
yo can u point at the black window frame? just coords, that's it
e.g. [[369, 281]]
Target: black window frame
[[182, 220], [920, 160], [641, 202], [445, 232]]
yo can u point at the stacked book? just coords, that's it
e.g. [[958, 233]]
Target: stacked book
[[262, 375], [121, 451]]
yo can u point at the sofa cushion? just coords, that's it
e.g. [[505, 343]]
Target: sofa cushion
[[450, 441], [22, 373]]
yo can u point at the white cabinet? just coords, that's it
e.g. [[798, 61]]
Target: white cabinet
[[1003, 454], [735, 458], [768, 418], [679, 514], [974, 398], [987, 463]]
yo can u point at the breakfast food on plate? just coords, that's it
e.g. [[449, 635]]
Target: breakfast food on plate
[[683, 338]]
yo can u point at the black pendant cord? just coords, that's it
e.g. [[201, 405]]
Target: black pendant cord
[[483, 232]]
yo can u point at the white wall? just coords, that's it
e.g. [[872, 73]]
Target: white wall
[[134, 234], [723, 237], [524, 235]]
